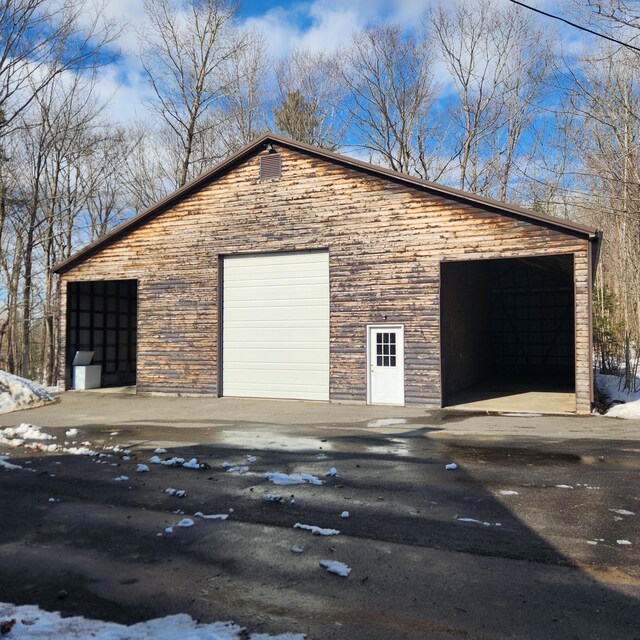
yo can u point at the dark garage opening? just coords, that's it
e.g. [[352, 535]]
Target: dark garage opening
[[507, 332], [102, 317]]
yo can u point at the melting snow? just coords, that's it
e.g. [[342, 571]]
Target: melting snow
[[79, 451], [172, 462], [237, 469], [20, 393], [185, 522], [332, 472], [564, 486], [623, 512], [628, 406], [121, 478], [32, 623], [142, 468], [178, 493], [294, 478], [26, 432], [452, 466], [333, 566], [159, 450], [8, 465], [317, 531], [215, 516], [344, 514], [508, 492], [71, 432], [270, 497], [484, 524]]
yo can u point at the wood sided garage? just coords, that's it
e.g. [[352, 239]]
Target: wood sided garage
[[291, 272]]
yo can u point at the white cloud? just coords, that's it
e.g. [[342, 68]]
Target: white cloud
[[316, 25], [125, 100]]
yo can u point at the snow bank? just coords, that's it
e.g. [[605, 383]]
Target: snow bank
[[32, 623], [19, 393], [625, 405]]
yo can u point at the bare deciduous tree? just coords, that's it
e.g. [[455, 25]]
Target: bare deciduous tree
[[188, 45], [389, 75], [41, 40]]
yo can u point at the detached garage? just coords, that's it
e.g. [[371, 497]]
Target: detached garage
[[291, 272]]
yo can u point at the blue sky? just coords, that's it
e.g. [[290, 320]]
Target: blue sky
[[317, 25]]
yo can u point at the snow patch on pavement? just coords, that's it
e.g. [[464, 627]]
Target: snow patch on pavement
[[317, 531], [474, 521], [178, 493], [214, 516], [294, 478], [33, 623], [8, 465], [333, 566]]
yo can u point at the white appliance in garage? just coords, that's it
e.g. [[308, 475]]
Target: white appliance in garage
[[276, 325], [85, 374]]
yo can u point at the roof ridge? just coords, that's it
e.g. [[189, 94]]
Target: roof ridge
[[360, 165]]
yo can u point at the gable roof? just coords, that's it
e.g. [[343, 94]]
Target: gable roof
[[336, 158]]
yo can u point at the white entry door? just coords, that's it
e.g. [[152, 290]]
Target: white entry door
[[386, 364]]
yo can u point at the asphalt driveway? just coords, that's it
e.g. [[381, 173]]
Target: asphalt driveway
[[527, 538]]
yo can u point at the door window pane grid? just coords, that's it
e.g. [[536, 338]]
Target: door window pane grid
[[385, 349]]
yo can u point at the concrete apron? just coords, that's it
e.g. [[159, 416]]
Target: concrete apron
[[107, 410]]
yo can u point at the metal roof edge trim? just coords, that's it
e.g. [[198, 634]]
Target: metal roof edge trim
[[359, 165]]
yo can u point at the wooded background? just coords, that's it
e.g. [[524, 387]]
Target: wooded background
[[488, 97]]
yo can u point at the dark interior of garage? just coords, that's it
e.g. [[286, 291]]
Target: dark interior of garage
[[507, 327], [102, 317]]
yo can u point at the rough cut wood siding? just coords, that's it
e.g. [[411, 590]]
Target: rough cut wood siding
[[385, 243]]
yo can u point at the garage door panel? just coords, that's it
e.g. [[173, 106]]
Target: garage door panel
[[274, 358], [275, 336], [276, 326], [258, 314], [312, 295]]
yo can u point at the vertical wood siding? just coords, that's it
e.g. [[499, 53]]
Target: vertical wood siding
[[385, 242]]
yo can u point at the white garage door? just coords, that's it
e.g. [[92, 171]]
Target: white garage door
[[276, 326]]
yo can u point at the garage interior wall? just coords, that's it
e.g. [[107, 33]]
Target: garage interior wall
[[102, 317], [510, 321]]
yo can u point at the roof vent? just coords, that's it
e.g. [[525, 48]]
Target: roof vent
[[270, 166]]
